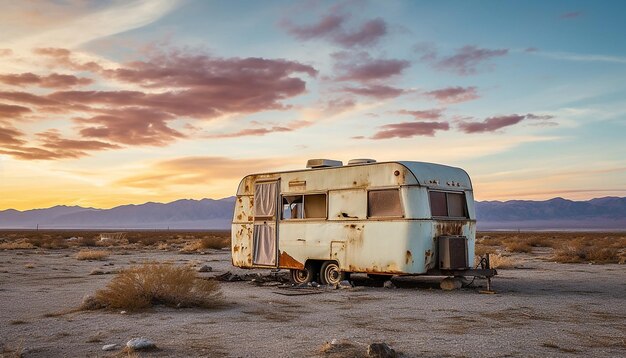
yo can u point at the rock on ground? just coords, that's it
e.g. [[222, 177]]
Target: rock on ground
[[110, 347], [141, 343], [381, 350]]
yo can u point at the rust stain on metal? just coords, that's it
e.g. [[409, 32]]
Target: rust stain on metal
[[449, 228], [286, 261], [236, 248], [238, 216], [408, 257]]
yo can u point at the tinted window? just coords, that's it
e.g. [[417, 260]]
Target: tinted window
[[438, 205], [443, 204], [384, 203]]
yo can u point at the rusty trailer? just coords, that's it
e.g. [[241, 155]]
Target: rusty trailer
[[379, 218]]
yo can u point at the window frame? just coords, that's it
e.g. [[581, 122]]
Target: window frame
[[302, 195], [400, 199], [448, 217]]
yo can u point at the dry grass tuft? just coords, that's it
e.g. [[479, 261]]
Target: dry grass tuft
[[518, 246], [16, 245], [151, 284], [502, 262], [92, 255], [215, 242]]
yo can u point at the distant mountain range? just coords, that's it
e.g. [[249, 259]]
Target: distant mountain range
[[607, 213]]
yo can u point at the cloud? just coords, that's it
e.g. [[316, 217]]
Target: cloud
[[132, 126], [368, 34], [53, 80], [492, 124], [363, 68], [457, 94], [251, 132], [326, 26], [331, 27], [426, 114], [8, 111], [467, 60], [410, 129], [173, 85], [194, 171], [375, 91], [571, 15], [5, 52], [51, 146], [10, 136]]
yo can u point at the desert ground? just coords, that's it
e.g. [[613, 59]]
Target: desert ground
[[541, 308]]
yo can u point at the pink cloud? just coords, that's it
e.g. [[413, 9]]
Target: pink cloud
[[8, 111], [362, 68], [131, 125], [454, 94], [492, 124], [427, 114], [10, 136], [376, 91], [368, 34], [468, 60], [53, 80], [331, 27], [410, 129], [325, 26], [5, 52]]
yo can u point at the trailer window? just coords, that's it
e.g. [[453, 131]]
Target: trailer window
[[445, 204], [384, 203], [309, 206]]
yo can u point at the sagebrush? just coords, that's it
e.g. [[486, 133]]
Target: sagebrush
[[143, 286]]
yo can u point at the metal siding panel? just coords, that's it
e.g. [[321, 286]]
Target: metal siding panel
[[415, 199], [347, 204], [241, 245]]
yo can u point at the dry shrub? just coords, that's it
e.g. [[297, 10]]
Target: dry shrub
[[16, 245], [191, 247], [499, 261], [86, 241], [48, 242], [92, 255], [518, 246], [156, 283], [215, 242]]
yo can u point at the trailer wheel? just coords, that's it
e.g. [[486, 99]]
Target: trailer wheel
[[330, 274], [302, 276]]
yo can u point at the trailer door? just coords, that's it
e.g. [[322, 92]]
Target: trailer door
[[265, 218]]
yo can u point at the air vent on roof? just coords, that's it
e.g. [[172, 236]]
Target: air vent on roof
[[323, 163], [361, 161]]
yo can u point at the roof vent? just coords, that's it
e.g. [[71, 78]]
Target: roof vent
[[323, 163], [361, 161]]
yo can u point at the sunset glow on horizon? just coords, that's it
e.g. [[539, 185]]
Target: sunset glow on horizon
[[124, 102]]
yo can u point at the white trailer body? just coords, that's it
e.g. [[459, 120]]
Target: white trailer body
[[384, 218]]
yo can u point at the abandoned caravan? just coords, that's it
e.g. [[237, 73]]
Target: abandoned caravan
[[380, 218]]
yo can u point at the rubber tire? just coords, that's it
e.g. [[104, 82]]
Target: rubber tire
[[330, 273], [302, 276]]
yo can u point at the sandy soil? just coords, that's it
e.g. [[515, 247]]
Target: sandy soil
[[543, 310]]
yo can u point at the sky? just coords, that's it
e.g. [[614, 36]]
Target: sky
[[107, 103]]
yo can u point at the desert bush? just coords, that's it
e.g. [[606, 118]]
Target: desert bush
[[87, 241], [215, 242], [576, 252], [518, 246], [156, 283], [499, 261], [92, 255], [48, 242], [16, 245]]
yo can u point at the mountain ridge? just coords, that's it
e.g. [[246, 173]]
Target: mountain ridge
[[556, 213]]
